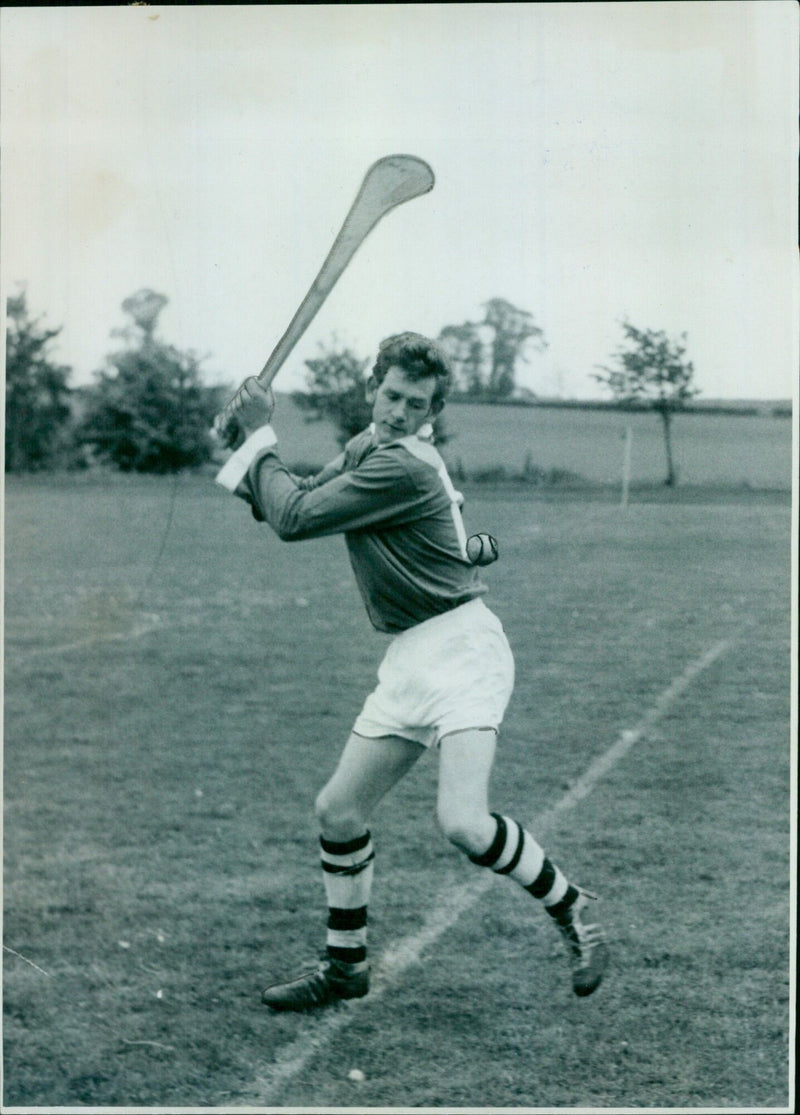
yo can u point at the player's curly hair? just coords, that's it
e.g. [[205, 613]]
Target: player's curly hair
[[418, 357]]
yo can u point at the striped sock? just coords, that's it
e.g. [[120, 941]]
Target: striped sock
[[515, 853], [347, 872]]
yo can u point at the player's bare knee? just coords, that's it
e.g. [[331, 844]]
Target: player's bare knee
[[324, 807], [466, 831], [338, 819]]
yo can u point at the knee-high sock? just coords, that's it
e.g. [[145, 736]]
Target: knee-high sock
[[347, 872], [515, 853]]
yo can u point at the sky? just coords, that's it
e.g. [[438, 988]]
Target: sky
[[594, 163]]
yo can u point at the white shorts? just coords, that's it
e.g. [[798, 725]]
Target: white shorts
[[450, 673]]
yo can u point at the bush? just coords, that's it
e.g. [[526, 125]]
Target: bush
[[531, 473], [494, 474], [150, 412]]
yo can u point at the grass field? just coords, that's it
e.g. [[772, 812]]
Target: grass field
[[169, 718], [723, 450]]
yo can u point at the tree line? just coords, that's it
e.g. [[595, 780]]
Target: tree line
[[148, 410]]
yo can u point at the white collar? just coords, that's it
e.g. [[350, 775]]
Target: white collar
[[424, 433]]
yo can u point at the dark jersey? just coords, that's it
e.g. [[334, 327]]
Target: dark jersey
[[400, 515]]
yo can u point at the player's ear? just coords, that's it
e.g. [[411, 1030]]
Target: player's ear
[[371, 390], [437, 406]]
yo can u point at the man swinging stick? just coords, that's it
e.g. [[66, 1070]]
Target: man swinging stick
[[445, 680]]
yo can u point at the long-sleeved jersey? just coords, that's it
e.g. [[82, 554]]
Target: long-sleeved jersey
[[399, 513]]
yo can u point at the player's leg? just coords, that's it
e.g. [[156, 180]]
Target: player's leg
[[465, 766], [367, 770], [502, 844]]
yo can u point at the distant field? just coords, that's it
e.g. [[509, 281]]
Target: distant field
[[725, 450], [169, 716]]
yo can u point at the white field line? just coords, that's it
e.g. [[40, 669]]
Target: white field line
[[292, 1059], [14, 952], [144, 627], [135, 632]]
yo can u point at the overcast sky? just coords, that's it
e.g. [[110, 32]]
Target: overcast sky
[[594, 162]]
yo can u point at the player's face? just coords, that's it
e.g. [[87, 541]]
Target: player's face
[[401, 405]]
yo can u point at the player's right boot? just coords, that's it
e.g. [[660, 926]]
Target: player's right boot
[[586, 946], [331, 981]]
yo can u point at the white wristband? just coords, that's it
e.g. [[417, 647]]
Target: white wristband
[[233, 471]]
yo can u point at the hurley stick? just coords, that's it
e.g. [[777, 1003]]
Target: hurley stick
[[388, 183]]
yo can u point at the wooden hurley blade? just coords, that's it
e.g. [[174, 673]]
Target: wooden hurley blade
[[388, 183]]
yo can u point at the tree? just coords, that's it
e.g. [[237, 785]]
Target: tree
[[465, 351], [652, 373], [484, 355], [37, 393], [335, 390], [144, 307], [512, 328], [151, 413], [336, 383]]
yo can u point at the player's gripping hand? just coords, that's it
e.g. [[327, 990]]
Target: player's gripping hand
[[250, 408]]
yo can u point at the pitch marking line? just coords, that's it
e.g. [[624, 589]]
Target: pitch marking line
[[292, 1059], [135, 632]]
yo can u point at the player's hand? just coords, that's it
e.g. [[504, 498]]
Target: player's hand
[[253, 405], [250, 408]]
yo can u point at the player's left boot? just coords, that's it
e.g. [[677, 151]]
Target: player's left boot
[[586, 946]]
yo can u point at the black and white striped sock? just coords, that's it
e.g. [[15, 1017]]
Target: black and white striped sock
[[347, 868], [515, 853]]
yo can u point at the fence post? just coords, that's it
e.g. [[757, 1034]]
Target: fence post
[[626, 465]]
